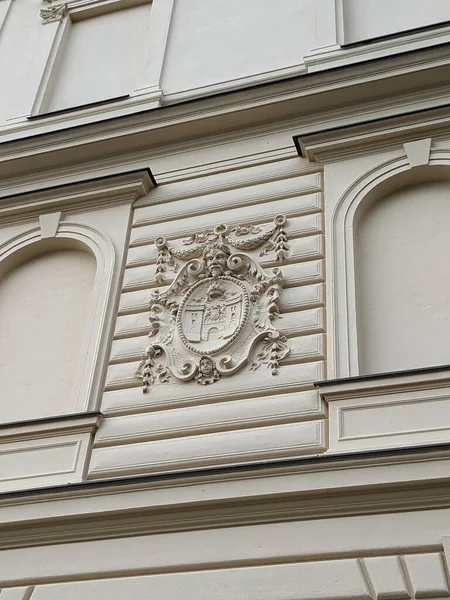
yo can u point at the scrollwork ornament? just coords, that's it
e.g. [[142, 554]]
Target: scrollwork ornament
[[53, 12], [221, 306]]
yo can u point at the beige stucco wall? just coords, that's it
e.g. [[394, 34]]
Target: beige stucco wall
[[402, 273], [50, 296], [288, 485]]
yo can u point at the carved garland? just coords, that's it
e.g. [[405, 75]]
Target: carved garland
[[219, 302], [275, 236]]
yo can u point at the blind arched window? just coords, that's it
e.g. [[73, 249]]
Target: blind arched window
[[402, 260]]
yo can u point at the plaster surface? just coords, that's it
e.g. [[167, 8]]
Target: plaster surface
[[49, 296]]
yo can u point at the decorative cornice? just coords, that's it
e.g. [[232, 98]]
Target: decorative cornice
[[109, 129], [119, 188], [87, 422], [378, 48], [434, 376], [399, 382], [361, 409], [387, 132], [265, 493]]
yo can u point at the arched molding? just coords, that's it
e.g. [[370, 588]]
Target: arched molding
[[29, 244], [374, 184]]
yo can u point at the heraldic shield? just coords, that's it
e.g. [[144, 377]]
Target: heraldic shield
[[220, 309], [212, 313]]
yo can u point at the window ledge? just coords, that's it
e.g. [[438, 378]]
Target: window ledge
[[61, 424], [388, 410], [44, 452]]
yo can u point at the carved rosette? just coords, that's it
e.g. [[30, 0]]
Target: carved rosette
[[219, 311]]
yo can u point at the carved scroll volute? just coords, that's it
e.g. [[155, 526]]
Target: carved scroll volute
[[220, 309]]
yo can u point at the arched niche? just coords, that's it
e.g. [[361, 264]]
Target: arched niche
[[357, 320], [402, 275], [53, 298]]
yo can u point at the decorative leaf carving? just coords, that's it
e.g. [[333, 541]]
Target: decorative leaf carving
[[274, 349], [55, 12], [151, 370], [278, 241]]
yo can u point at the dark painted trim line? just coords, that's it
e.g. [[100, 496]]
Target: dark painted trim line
[[72, 109], [418, 371], [393, 36], [296, 140], [316, 459], [297, 137], [56, 418]]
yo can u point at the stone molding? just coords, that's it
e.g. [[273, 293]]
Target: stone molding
[[91, 194], [421, 574], [48, 451], [29, 212], [102, 248], [421, 132], [388, 132], [86, 422], [282, 99], [367, 483], [338, 56], [391, 410], [148, 91]]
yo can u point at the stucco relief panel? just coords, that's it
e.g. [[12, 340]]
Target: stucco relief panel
[[220, 312]]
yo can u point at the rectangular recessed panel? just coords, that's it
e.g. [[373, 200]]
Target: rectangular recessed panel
[[35, 459], [389, 419], [98, 59], [397, 417]]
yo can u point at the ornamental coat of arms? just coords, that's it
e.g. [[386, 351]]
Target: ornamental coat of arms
[[218, 314]]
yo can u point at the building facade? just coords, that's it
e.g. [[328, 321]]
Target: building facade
[[224, 299]]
